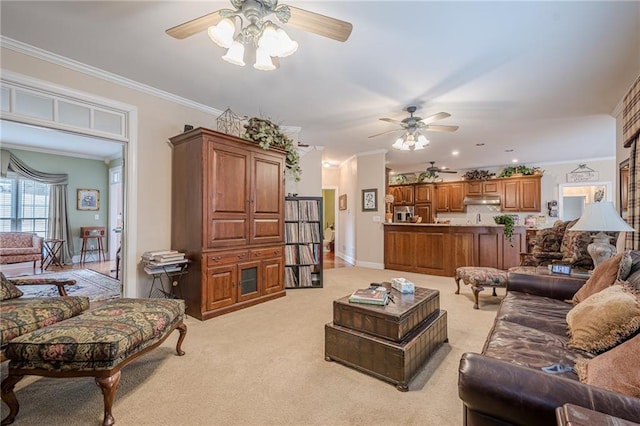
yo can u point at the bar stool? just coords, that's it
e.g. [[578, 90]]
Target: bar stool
[[96, 232]]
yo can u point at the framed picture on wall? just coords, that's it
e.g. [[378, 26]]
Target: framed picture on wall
[[88, 199], [342, 202], [369, 200]]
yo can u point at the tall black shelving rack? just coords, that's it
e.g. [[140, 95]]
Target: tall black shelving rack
[[303, 242]]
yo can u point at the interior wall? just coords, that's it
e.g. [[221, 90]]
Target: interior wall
[[83, 174], [346, 231], [158, 120], [369, 227], [310, 184]]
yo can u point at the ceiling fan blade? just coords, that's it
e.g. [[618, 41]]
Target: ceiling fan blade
[[440, 128], [435, 117], [446, 171], [391, 120], [388, 131], [320, 24], [194, 26]]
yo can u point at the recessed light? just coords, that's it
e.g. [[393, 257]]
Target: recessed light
[[326, 164], [515, 160], [508, 150], [455, 152], [479, 144]]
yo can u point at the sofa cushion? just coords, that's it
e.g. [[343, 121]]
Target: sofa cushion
[[543, 313], [605, 275], [99, 339], [7, 289], [604, 319], [547, 239], [533, 348], [21, 316], [615, 370]]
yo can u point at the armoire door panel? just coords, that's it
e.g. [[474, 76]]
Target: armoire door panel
[[266, 228], [220, 287], [225, 232], [267, 174], [228, 170]]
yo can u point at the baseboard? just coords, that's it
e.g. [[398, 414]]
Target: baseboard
[[372, 265]]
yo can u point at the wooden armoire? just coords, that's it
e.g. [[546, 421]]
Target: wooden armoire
[[228, 216]]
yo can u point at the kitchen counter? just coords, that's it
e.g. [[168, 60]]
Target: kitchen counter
[[438, 249], [443, 224]]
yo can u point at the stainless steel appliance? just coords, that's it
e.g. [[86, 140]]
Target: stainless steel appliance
[[402, 213]]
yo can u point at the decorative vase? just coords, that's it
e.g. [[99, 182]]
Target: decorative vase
[[388, 217]]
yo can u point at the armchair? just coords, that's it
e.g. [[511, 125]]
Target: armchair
[[558, 244]]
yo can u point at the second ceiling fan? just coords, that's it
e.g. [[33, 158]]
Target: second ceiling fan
[[413, 127]]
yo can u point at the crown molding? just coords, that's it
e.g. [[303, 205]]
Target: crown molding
[[35, 52], [58, 152]]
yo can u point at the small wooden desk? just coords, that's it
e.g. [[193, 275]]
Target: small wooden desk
[[96, 232]]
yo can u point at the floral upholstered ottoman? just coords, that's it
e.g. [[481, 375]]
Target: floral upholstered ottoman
[[479, 278], [96, 343]]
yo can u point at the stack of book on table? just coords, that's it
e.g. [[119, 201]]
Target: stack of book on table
[[371, 296], [159, 261]]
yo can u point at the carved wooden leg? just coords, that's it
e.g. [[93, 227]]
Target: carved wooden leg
[[109, 386], [9, 398], [457, 284], [476, 290], [182, 328], [494, 291]]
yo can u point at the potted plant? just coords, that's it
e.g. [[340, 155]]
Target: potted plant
[[268, 134], [508, 222]]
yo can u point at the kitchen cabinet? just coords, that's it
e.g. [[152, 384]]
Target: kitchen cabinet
[[228, 217], [423, 193], [521, 194], [485, 187], [402, 195], [450, 197], [425, 211]]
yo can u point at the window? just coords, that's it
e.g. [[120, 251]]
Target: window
[[24, 205]]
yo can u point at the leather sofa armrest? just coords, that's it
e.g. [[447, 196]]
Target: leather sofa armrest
[[524, 396], [556, 287]]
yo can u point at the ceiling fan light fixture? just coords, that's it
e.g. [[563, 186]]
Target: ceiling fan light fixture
[[287, 46], [222, 33], [405, 147], [423, 140], [418, 146], [398, 143], [263, 60], [235, 54]]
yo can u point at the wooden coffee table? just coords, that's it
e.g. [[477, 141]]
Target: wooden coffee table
[[389, 342]]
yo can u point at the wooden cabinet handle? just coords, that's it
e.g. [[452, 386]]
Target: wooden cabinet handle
[[216, 258], [241, 256], [258, 254]]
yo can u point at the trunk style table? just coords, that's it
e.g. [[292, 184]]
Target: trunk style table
[[389, 342]]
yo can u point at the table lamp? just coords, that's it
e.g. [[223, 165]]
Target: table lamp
[[601, 217]]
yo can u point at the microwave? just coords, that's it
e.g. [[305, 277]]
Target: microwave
[[402, 214]]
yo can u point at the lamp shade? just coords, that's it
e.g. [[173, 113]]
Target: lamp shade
[[235, 54], [601, 217], [263, 61], [222, 34]]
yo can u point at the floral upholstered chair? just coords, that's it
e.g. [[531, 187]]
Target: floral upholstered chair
[[17, 247], [559, 245], [20, 315]]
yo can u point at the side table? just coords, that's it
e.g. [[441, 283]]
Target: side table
[[51, 253]]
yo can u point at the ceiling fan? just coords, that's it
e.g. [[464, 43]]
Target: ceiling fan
[[435, 170], [413, 126], [259, 24]]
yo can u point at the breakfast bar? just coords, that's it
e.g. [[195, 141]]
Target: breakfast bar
[[438, 249]]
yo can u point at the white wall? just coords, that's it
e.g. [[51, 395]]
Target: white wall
[[369, 228], [346, 230], [310, 184], [158, 120]]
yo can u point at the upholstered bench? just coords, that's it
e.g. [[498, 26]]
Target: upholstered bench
[[479, 278], [97, 343]]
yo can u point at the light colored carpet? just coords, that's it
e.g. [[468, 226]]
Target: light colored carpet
[[94, 285], [265, 366]]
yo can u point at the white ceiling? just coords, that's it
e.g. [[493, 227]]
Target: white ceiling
[[538, 78]]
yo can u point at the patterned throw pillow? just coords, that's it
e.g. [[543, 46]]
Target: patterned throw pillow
[[7, 289], [575, 251], [547, 240], [603, 320], [633, 274]]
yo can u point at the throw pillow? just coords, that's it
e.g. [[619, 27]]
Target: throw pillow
[[576, 252], [604, 319], [615, 370], [546, 240], [603, 276], [626, 263], [8, 290]]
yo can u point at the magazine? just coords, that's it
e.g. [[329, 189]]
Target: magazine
[[369, 296]]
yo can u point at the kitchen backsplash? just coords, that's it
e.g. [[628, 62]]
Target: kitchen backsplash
[[483, 215]]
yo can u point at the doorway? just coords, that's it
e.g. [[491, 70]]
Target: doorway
[[574, 197]]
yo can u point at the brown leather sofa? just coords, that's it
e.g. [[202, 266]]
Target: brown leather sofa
[[505, 384]]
